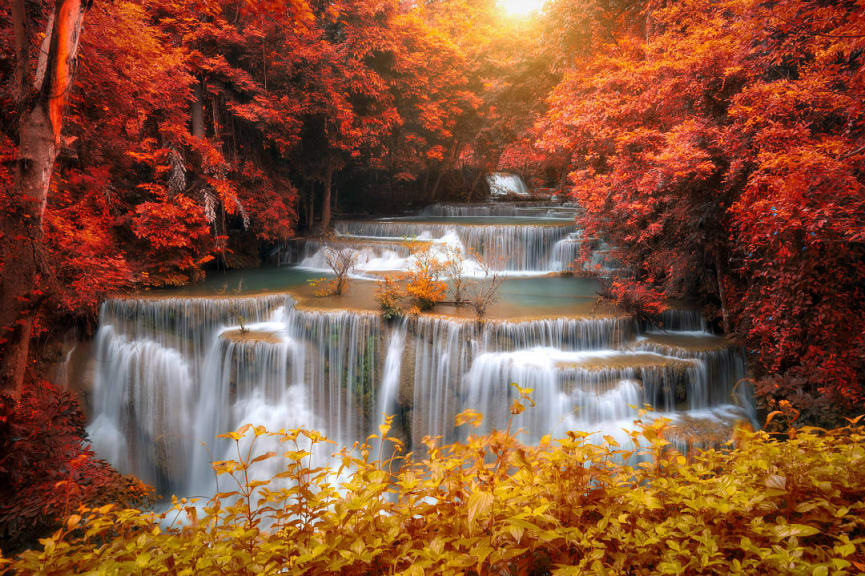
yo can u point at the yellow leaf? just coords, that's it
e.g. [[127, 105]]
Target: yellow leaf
[[264, 456], [516, 532], [776, 482], [142, 560], [472, 417], [479, 504], [788, 530]]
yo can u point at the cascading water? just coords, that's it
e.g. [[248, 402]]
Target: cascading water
[[392, 368], [509, 247], [251, 377], [567, 254], [149, 357], [504, 209], [341, 358], [504, 184], [172, 373], [513, 238]]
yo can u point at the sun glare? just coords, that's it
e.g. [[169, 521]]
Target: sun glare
[[521, 7]]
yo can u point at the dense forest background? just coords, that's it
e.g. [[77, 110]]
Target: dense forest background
[[717, 145]]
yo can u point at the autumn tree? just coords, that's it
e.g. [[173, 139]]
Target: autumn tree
[[41, 94], [717, 145], [350, 109]]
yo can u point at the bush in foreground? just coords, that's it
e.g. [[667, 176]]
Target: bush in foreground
[[490, 505], [46, 468]]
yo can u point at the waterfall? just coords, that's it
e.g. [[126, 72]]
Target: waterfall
[[250, 380], [526, 209], [567, 253], [173, 373], [720, 365], [340, 359], [504, 184], [677, 320], [455, 364], [442, 354], [392, 368], [509, 247], [562, 333], [186, 325], [143, 393], [574, 390]]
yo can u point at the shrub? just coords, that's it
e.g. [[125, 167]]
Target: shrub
[[322, 287], [482, 291], [816, 406], [389, 297], [491, 505], [637, 299], [46, 471], [341, 261], [424, 278], [453, 268]]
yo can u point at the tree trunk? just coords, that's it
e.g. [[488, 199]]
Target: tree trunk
[[725, 315], [40, 120], [435, 188], [197, 111], [563, 180], [311, 223], [325, 201], [475, 182]]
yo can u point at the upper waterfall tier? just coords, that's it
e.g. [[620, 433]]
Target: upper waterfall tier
[[505, 184], [524, 247], [524, 209]]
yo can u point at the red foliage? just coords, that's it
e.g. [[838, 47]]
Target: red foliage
[[718, 145], [46, 470]]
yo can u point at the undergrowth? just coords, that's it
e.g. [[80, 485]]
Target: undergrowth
[[768, 504]]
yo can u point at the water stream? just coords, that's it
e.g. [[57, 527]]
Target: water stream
[[170, 373]]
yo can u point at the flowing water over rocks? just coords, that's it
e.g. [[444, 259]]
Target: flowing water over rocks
[[517, 240], [172, 373]]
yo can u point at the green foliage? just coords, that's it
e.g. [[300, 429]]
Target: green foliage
[[491, 505]]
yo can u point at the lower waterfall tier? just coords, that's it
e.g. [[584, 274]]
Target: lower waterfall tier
[[171, 374]]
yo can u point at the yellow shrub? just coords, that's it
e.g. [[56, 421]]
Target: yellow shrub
[[424, 279], [389, 297], [491, 505]]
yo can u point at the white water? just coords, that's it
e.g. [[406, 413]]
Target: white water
[[504, 184], [393, 256], [392, 369], [513, 239], [523, 209], [513, 248], [173, 373]]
